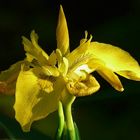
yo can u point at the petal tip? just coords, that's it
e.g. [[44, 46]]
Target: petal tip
[[62, 34], [121, 89]]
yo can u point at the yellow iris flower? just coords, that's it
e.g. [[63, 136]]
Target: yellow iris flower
[[40, 81]]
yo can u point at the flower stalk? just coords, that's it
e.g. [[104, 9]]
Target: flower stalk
[[66, 129], [61, 121], [69, 121]]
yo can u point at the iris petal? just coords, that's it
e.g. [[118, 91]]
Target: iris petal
[[85, 87], [80, 56], [34, 50], [132, 75], [62, 35], [8, 78], [32, 101], [117, 60], [110, 77]]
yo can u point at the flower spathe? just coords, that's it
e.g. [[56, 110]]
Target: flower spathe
[[42, 80]]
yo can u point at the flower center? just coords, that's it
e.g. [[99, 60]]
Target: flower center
[[83, 87]]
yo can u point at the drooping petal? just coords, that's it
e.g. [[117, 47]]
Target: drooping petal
[[110, 77], [35, 98], [117, 60], [62, 35], [8, 78], [130, 74], [34, 50], [84, 87], [99, 66]]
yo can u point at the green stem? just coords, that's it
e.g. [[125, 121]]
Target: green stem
[[61, 121], [76, 132], [69, 119]]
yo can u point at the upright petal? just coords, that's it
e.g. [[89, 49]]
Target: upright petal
[[34, 99], [117, 60], [62, 63], [62, 35], [34, 50]]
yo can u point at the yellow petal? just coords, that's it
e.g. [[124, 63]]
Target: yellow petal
[[34, 50], [62, 35], [85, 87], [63, 67], [117, 60], [34, 39], [32, 100], [8, 78], [45, 71], [110, 77], [80, 56], [62, 63], [83, 68], [50, 71], [130, 75], [52, 59]]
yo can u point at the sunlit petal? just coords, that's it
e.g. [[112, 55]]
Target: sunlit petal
[[62, 63], [132, 75], [84, 87], [81, 55], [50, 70], [110, 77], [34, 49], [34, 99], [117, 60], [63, 67], [62, 35], [52, 59]]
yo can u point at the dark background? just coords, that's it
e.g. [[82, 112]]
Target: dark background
[[107, 114]]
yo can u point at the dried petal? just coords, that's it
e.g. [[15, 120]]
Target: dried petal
[[8, 79]]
